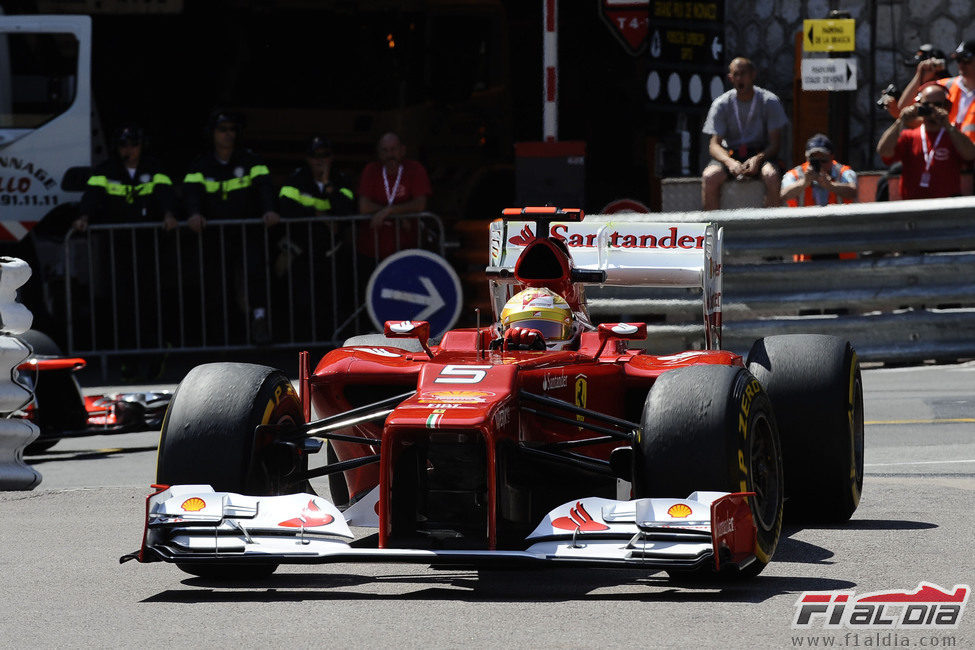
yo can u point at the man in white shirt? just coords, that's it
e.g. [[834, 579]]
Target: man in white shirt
[[746, 126]]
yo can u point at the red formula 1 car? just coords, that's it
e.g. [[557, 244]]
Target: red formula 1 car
[[60, 410], [539, 439]]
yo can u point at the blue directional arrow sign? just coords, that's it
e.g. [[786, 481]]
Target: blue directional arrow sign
[[415, 285]]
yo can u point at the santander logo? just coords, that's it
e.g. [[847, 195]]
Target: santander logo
[[310, 517], [579, 519], [523, 238], [671, 238]]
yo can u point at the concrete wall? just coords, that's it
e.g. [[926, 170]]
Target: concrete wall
[[764, 31]]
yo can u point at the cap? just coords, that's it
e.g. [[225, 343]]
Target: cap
[[319, 143], [128, 133], [965, 49], [819, 142], [220, 116]]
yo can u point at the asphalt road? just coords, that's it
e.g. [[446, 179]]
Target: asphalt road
[[61, 584]]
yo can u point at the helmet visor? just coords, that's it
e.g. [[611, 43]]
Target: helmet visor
[[551, 330]]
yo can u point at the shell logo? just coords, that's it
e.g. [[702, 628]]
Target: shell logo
[[679, 510], [194, 504]]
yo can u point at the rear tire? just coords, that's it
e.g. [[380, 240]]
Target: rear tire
[[60, 405], [692, 441], [208, 437], [816, 389]]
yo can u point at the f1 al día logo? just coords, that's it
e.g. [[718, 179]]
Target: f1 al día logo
[[928, 606]]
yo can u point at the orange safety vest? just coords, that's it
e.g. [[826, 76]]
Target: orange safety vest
[[954, 90], [807, 198]]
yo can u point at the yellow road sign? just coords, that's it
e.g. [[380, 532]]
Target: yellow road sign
[[829, 35]]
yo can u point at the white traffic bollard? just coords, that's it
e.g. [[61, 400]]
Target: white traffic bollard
[[15, 434]]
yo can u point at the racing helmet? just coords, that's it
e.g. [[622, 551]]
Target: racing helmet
[[544, 310]]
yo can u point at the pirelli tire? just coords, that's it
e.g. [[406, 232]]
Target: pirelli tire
[[712, 427], [816, 389], [208, 437]]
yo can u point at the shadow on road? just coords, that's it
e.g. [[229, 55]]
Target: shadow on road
[[530, 586], [75, 454]]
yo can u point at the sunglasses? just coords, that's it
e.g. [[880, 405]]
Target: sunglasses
[[227, 129], [944, 104], [964, 58], [322, 154]]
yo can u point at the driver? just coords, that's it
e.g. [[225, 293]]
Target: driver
[[538, 318]]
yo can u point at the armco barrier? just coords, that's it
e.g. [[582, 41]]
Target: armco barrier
[[15, 434], [908, 296]]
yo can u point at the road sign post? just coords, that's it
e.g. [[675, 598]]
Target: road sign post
[[414, 285]]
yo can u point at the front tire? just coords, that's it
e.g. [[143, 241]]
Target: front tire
[[712, 428], [815, 386], [208, 437]]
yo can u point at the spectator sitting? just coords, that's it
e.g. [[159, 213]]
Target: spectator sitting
[[745, 125], [932, 163]]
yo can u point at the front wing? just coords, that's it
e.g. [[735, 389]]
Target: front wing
[[193, 524]]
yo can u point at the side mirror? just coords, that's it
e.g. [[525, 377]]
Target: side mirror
[[625, 331], [411, 329]]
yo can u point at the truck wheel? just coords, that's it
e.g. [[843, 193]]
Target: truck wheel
[[815, 386], [711, 428], [208, 437], [60, 406]]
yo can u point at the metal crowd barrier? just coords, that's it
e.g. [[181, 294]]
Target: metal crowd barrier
[[135, 288], [908, 296]]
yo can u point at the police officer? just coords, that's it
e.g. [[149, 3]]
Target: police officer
[[315, 188], [130, 187], [231, 182]]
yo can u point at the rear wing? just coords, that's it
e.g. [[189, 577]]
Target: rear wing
[[635, 254]]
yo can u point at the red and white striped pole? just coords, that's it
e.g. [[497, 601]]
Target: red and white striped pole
[[550, 65]]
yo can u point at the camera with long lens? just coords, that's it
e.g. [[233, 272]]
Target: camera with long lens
[[924, 110], [815, 165]]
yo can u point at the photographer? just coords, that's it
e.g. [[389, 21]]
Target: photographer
[[820, 180], [932, 162]]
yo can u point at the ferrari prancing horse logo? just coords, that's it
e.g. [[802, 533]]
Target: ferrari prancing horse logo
[[581, 390]]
